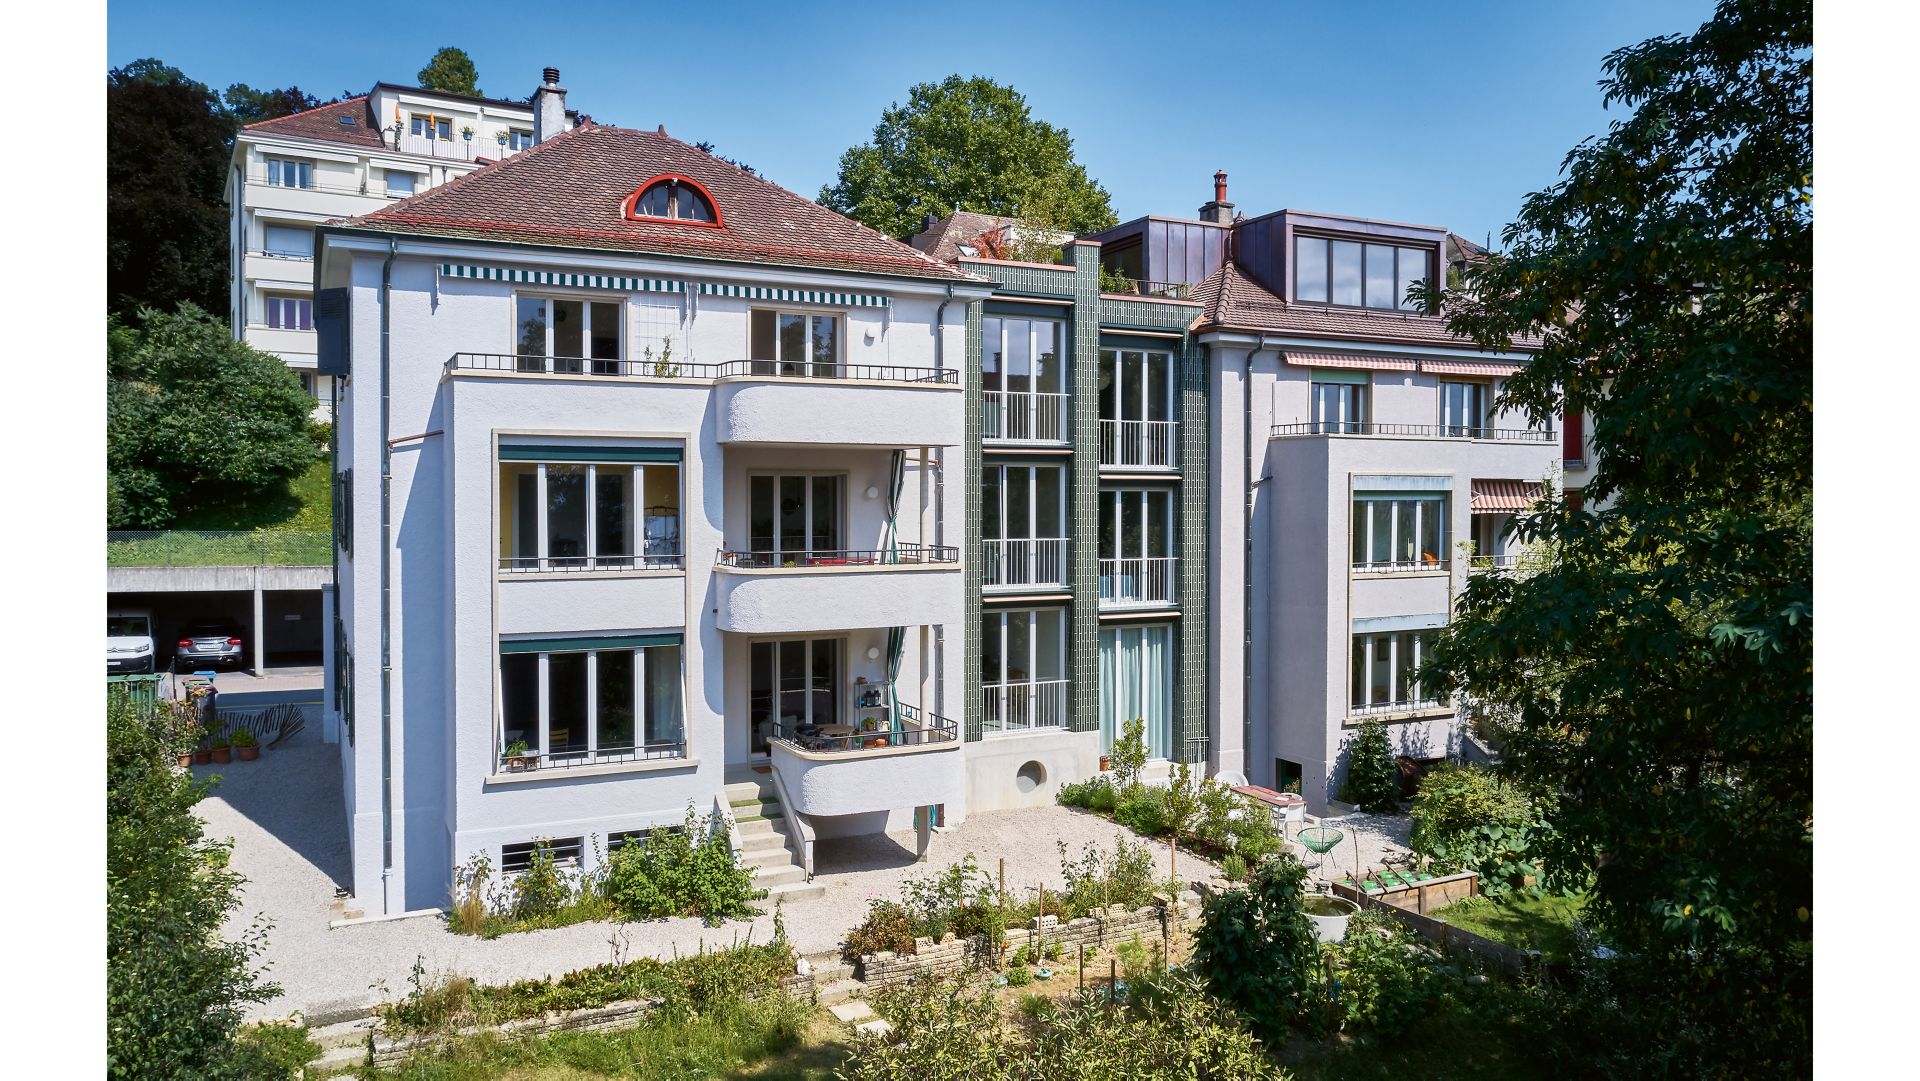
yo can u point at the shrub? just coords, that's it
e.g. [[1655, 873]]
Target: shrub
[[273, 1050], [1018, 976], [1129, 754], [1234, 868], [952, 900], [1097, 880], [543, 889], [1257, 950], [1103, 798], [1453, 805], [1385, 981], [1143, 810], [1081, 793], [1373, 781], [886, 928], [685, 871]]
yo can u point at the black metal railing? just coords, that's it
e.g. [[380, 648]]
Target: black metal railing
[[917, 727], [651, 561], [646, 368], [1401, 566], [899, 555], [1429, 431], [529, 761], [1142, 287], [889, 373]]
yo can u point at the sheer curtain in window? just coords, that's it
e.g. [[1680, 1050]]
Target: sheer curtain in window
[[1156, 689]]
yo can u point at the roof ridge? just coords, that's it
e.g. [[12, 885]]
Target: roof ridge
[[490, 168], [303, 112]]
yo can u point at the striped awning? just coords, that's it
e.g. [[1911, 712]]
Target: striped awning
[[562, 278], [793, 296], [1504, 496], [1469, 367], [1349, 360]]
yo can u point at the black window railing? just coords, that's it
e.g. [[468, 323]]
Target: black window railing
[[533, 364], [898, 556], [1422, 431], [528, 761]]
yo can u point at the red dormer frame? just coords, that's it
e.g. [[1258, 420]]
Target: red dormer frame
[[626, 207]]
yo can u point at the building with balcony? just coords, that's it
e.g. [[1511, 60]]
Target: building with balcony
[[672, 516], [354, 157]]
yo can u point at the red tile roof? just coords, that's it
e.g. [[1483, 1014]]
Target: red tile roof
[[1231, 300], [324, 124], [568, 192]]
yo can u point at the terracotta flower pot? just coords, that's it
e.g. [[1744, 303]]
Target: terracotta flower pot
[[203, 756], [186, 760], [248, 754], [1106, 763], [222, 755]]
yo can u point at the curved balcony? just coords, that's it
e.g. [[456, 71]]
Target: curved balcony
[[842, 590], [831, 773], [848, 405]]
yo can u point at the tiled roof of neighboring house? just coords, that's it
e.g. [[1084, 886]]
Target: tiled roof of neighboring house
[[569, 192], [943, 238], [328, 124], [1231, 300]]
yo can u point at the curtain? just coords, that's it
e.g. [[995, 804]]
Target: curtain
[[1136, 680], [1109, 688], [898, 475], [664, 716], [1156, 690], [896, 645]]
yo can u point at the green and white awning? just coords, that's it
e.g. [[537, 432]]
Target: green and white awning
[[795, 296], [562, 278]]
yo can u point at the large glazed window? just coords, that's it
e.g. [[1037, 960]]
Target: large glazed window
[[1356, 274], [1022, 380], [1400, 532], [1339, 408], [1136, 680], [1463, 408], [566, 335], [1023, 531], [792, 519], [792, 685], [589, 515], [1136, 546], [563, 706], [1023, 669], [1385, 667], [801, 345], [1136, 408]]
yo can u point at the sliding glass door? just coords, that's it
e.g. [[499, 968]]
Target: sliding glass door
[[791, 685], [791, 518], [1136, 680]]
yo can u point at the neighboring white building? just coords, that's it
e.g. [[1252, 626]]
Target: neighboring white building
[[670, 502], [353, 157]]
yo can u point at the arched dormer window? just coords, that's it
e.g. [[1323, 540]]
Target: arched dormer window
[[674, 198]]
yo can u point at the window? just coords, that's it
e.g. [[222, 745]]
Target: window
[[792, 519], [1136, 680], [795, 344], [1384, 670], [1136, 408], [566, 852], [400, 182], [1400, 532], [289, 241], [290, 313], [1338, 408], [589, 514], [287, 173], [792, 685], [1136, 546], [343, 510], [1356, 274], [431, 127], [1023, 669], [1023, 511], [1022, 379], [1463, 408], [518, 140], [567, 337], [1573, 437], [674, 198], [577, 706]]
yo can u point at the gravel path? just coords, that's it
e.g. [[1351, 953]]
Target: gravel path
[[285, 816]]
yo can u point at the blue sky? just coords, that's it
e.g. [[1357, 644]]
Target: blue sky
[[1439, 114]]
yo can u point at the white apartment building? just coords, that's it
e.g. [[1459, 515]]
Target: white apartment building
[[650, 502], [355, 157]]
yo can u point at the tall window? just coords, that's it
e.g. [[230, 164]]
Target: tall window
[[792, 519], [1463, 408], [290, 313], [289, 241], [1022, 517], [800, 344], [1136, 680], [431, 127], [1136, 408], [567, 336], [574, 706], [1023, 669], [287, 173], [1356, 274], [589, 515], [1136, 546], [1400, 532], [1384, 671], [792, 686], [1022, 379], [1339, 407]]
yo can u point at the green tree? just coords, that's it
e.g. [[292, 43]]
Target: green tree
[[1258, 952], [196, 419], [451, 71], [1659, 673], [175, 988], [1373, 782], [965, 144], [167, 148], [245, 105]]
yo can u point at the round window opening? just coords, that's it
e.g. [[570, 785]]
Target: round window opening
[[1031, 776]]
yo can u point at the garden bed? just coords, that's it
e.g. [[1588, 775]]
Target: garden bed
[[1416, 891]]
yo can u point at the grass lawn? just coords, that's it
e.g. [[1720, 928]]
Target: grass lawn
[[291, 529], [306, 506], [1543, 923]]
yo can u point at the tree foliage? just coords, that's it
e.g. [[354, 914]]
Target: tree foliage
[[1258, 952], [167, 149], [451, 71], [965, 144], [196, 419], [1373, 781], [245, 105], [1659, 674]]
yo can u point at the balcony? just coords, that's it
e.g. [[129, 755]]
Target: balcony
[[803, 592], [1025, 564], [1137, 444], [1502, 563], [825, 771], [1014, 416], [1146, 582], [1008, 708], [1411, 431]]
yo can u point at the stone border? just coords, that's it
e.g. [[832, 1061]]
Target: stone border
[[1116, 924]]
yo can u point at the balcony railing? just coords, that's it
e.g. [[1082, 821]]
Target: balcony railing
[[209, 548], [1408, 705], [1023, 563], [651, 561], [917, 727], [531, 364], [531, 760], [1122, 285], [1024, 416], [1137, 444], [1023, 707], [1137, 582], [1411, 431], [1400, 566], [899, 555], [1506, 561]]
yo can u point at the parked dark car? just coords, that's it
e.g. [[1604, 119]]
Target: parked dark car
[[208, 644]]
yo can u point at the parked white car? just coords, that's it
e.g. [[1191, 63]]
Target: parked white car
[[130, 641]]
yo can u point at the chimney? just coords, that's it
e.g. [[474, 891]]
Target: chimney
[[1219, 211], [549, 107]]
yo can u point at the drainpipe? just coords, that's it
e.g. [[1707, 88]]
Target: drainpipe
[[1246, 576], [386, 578]]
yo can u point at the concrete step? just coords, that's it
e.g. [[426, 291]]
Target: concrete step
[[343, 1033], [792, 891], [852, 1011], [750, 827], [877, 1027], [839, 990], [337, 1058], [756, 807], [760, 787], [767, 857], [764, 841], [768, 877]]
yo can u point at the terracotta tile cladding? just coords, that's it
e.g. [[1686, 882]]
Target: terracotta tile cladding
[[1232, 300], [323, 125], [568, 192]]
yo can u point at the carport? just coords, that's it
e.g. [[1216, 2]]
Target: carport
[[281, 610]]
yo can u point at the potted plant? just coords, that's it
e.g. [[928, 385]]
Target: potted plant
[[186, 759], [203, 754], [246, 745], [500, 137], [1106, 762], [222, 749], [466, 132], [518, 760]]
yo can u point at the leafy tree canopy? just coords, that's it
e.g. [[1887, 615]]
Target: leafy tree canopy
[[167, 148], [245, 105], [965, 144], [451, 71], [1659, 673], [196, 419]]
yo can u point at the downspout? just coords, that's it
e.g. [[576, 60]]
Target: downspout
[[1246, 577], [940, 519], [386, 578]]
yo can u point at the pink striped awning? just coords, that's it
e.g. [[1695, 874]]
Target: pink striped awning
[[1503, 496], [1348, 360], [1469, 367]]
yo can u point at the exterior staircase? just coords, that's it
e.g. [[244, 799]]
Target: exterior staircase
[[764, 840]]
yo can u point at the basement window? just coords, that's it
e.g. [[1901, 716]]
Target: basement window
[[673, 198], [516, 858]]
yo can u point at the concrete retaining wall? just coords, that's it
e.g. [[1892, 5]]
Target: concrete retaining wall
[[1116, 925]]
